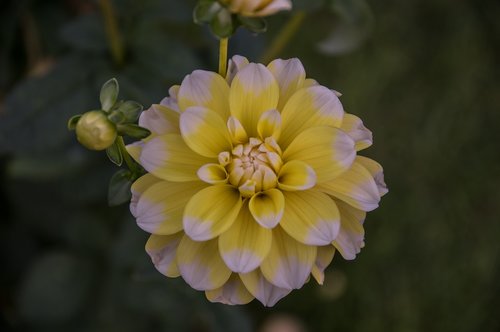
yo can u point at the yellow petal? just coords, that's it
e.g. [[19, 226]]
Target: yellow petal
[[204, 132], [263, 290], [274, 7], [245, 245], [233, 292], [138, 188], [161, 207], [351, 235], [310, 107], [206, 89], [211, 212], [169, 158], [236, 131], [269, 125], [354, 127], [289, 262], [329, 151], [356, 187], [160, 120], [290, 75], [135, 150], [201, 265], [296, 175], [213, 174], [267, 207], [376, 171], [236, 63], [310, 217], [323, 259], [162, 249], [253, 91]]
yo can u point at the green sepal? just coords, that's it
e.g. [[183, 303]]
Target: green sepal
[[116, 117], [114, 154], [205, 11], [130, 110], [73, 121], [223, 25], [109, 94], [119, 187], [254, 24], [133, 130]]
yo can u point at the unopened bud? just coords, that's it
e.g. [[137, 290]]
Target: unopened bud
[[95, 131]]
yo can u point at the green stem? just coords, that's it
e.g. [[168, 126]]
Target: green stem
[[223, 45], [112, 31], [130, 163], [284, 37]]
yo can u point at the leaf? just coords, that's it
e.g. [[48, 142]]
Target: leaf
[[109, 94], [73, 121], [222, 25], [254, 24], [133, 130], [119, 187], [114, 154], [206, 11], [131, 110]]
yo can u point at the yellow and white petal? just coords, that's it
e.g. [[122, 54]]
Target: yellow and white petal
[[274, 7], [233, 292], [253, 91], [201, 265], [236, 131], [267, 293], [160, 208], [269, 125], [236, 63], [376, 171], [213, 174], [169, 158], [162, 249], [290, 75], [204, 131], [311, 217], [356, 187], [323, 259], [211, 211], [351, 236], [309, 107], [135, 150], [138, 188], [160, 120], [245, 245], [289, 262], [267, 207], [205, 89], [296, 175], [171, 100], [329, 151], [355, 128]]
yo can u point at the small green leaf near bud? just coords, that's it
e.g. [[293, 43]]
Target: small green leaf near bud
[[205, 11], [222, 25], [119, 187], [133, 130], [109, 94], [94, 131], [131, 110], [116, 117], [115, 154], [73, 121], [254, 24]]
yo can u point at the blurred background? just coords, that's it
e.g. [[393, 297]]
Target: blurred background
[[422, 74]]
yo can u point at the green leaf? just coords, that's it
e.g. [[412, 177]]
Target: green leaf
[[73, 121], [109, 94], [131, 110], [114, 154], [119, 187], [206, 11], [133, 130], [222, 25], [116, 117], [254, 24]]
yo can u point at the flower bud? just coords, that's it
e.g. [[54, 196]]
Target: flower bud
[[95, 131]]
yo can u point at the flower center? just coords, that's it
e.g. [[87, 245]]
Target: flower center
[[252, 167]]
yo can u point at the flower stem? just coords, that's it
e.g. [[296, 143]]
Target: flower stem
[[284, 36], [223, 44], [112, 32], [130, 163]]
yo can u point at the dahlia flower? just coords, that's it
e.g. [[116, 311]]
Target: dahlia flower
[[257, 8], [253, 181]]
